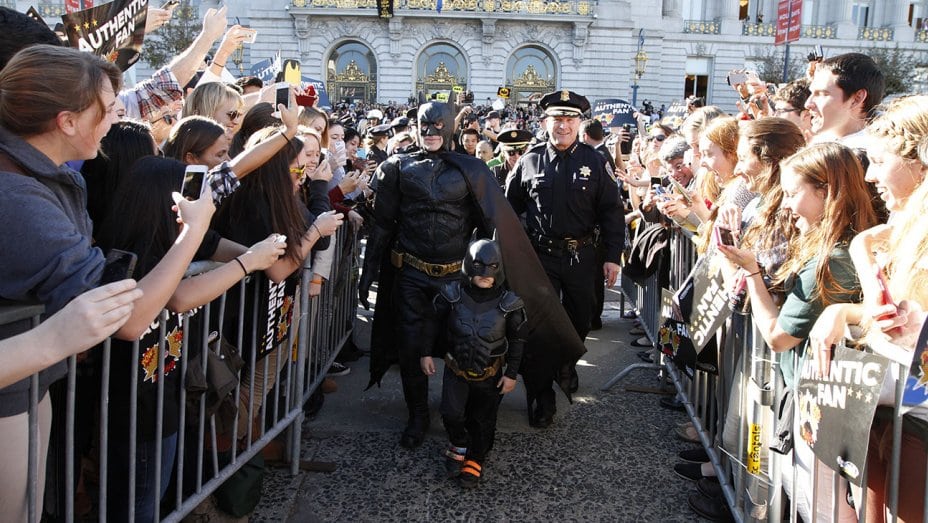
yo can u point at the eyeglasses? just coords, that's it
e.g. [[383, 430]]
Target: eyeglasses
[[659, 137], [233, 115], [514, 150], [780, 110], [168, 119]]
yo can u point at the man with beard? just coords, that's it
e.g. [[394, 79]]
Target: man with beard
[[565, 189], [427, 204]]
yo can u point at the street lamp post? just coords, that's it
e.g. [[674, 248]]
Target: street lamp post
[[641, 60]]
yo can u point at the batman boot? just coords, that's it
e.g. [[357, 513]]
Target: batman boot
[[416, 394], [545, 408], [530, 404], [415, 431]]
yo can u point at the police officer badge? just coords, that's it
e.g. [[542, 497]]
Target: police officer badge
[[565, 95], [585, 172]]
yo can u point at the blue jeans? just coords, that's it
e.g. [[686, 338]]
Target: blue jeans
[[145, 470]]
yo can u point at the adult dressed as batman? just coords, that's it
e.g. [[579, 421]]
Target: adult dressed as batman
[[427, 203]]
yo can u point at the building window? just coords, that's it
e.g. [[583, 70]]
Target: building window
[[696, 81], [440, 68], [351, 73], [860, 14], [694, 9], [530, 73]]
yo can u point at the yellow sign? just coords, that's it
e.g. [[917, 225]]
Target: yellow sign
[[441, 97], [503, 92], [755, 446], [457, 89]]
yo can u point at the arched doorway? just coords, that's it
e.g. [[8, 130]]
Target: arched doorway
[[530, 72], [440, 69], [351, 73]]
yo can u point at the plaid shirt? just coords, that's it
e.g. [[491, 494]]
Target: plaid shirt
[[222, 181], [145, 99]]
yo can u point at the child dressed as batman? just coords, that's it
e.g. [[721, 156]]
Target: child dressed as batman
[[484, 349]]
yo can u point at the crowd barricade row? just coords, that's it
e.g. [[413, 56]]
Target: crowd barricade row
[[737, 429], [306, 334]]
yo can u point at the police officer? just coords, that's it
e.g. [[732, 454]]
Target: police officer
[[565, 189], [513, 143], [378, 149]]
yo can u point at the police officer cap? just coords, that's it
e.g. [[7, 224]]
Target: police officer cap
[[375, 113], [400, 121], [514, 138], [564, 103], [380, 130]]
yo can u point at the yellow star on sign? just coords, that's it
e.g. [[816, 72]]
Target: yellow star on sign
[[93, 22], [585, 172], [86, 25]]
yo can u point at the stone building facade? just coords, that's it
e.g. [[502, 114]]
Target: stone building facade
[[534, 46]]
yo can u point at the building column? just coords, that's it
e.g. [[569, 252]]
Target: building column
[[897, 17], [727, 12], [844, 25]]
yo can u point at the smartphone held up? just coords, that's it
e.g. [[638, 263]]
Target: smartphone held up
[[192, 187]]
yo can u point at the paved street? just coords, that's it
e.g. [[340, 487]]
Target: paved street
[[608, 457]]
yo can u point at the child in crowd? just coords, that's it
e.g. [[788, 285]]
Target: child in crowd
[[483, 320]]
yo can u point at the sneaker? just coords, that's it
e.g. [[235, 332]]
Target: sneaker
[[630, 315], [690, 471], [470, 474], [454, 460], [711, 509], [694, 455], [687, 434], [329, 386], [710, 487], [338, 369]]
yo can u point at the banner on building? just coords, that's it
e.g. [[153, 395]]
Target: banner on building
[[789, 22], [112, 31]]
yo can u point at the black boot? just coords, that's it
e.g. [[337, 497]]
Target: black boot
[[416, 394], [530, 401]]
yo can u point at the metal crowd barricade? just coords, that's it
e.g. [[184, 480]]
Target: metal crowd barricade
[[749, 473], [315, 336]]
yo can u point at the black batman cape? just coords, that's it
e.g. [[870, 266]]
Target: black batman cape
[[552, 342]]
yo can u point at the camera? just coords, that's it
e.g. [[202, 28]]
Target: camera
[[468, 97]]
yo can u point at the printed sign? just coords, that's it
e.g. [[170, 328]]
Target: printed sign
[[268, 69], [503, 92], [915, 393], [835, 412], [755, 448], [112, 31], [614, 112], [789, 21], [710, 306], [277, 300]]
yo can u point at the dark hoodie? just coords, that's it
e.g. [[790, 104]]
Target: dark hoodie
[[47, 256]]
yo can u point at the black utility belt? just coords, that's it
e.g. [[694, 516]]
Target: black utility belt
[[559, 246]]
